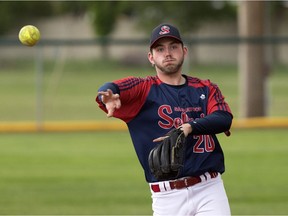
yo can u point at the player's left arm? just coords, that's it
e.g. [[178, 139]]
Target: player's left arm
[[218, 118], [217, 122]]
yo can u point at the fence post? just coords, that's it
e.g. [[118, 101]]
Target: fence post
[[39, 87]]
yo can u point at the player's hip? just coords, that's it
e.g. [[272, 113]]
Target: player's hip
[[185, 182], [179, 201]]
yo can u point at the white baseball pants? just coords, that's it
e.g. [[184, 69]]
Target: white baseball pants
[[207, 198]]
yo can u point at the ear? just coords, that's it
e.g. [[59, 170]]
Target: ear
[[150, 58], [185, 50]]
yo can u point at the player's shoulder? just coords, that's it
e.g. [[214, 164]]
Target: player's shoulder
[[132, 81], [202, 83], [135, 79], [198, 82]]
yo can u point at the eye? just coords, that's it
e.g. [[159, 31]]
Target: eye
[[159, 49], [174, 46]]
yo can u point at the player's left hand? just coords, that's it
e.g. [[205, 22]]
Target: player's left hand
[[166, 159], [186, 128]]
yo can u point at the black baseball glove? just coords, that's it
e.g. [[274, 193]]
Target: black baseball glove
[[167, 158]]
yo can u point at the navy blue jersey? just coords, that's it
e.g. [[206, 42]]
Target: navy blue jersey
[[151, 108]]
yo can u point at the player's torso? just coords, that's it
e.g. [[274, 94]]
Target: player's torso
[[171, 106], [167, 107]]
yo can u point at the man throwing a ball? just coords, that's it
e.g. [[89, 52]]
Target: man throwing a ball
[[156, 105]]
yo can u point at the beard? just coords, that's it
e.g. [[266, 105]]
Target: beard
[[170, 68]]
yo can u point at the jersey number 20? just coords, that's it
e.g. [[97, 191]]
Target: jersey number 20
[[204, 143]]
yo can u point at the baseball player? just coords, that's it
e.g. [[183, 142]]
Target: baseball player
[[155, 105]]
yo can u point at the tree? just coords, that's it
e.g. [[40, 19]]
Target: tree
[[14, 14], [252, 65], [187, 15], [104, 16]]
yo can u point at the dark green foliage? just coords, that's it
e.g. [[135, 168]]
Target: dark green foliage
[[185, 14], [104, 16], [15, 13]]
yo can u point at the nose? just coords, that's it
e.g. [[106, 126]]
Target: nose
[[167, 52]]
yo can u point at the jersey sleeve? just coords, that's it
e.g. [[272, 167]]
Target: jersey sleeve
[[217, 122], [219, 116], [216, 100], [133, 92]]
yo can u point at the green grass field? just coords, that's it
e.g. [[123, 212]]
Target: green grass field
[[98, 173]]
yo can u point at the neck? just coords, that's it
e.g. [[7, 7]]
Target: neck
[[172, 79]]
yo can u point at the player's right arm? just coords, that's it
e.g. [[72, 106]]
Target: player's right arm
[[127, 97]]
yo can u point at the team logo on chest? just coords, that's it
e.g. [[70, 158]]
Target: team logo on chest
[[167, 121]]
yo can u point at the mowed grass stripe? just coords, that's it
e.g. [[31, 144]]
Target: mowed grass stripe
[[98, 173]]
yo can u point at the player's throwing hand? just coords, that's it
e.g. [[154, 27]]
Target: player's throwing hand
[[111, 101]]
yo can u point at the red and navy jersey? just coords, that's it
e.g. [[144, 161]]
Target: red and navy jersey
[[151, 108]]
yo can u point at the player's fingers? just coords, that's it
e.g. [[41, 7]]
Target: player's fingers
[[111, 106], [186, 128], [107, 96], [159, 139], [106, 93], [115, 96], [104, 96], [110, 93], [110, 112], [117, 104], [103, 93]]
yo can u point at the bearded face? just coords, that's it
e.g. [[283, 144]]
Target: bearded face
[[170, 66], [167, 56]]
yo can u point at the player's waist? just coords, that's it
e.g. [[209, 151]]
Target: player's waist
[[182, 182]]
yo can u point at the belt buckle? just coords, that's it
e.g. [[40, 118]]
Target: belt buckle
[[178, 184], [186, 182]]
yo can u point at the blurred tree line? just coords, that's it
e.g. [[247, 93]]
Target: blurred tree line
[[185, 14], [104, 14]]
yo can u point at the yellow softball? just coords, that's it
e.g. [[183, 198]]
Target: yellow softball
[[29, 35]]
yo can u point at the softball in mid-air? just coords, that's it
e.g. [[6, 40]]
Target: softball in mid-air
[[29, 35]]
